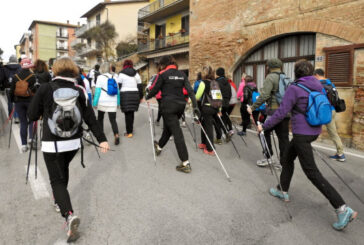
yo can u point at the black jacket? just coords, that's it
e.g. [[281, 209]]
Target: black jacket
[[171, 82], [225, 88], [22, 74], [42, 103], [9, 72], [43, 77]]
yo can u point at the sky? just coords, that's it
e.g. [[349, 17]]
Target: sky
[[17, 15]]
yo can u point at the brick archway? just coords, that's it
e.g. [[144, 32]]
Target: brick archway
[[345, 32]]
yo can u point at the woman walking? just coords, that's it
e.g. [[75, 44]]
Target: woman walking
[[62, 134], [107, 99], [171, 82], [131, 93], [207, 111], [41, 72], [295, 102]]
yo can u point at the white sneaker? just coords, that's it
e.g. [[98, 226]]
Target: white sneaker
[[183, 124], [24, 148], [264, 162], [72, 228], [56, 207]]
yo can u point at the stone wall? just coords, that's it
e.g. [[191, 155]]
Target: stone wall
[[223, 33]]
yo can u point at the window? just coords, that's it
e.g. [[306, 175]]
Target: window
[[98, 19], [289, 49], [185, 25]]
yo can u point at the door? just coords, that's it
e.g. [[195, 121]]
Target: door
[[160, 36]]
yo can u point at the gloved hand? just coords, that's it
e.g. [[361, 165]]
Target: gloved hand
[[196, 112]]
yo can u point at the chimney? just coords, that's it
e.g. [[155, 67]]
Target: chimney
[[68, 21]]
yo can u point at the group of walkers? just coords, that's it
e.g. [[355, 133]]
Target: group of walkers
[[65, 101]]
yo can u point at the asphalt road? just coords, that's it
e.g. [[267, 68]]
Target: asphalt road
[[123, 198]]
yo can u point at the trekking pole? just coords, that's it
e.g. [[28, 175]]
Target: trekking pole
[[232, 142], [11, 125], [36, 148], [337, 174], [213, 148], [151, 133], [236, 129], [153, 122], [275, 146], [94, 144], [30, 156], [266, 150]]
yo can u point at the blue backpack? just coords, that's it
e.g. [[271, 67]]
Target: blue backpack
[[318, 111], [112, 87], [255, 95], [283, 84]]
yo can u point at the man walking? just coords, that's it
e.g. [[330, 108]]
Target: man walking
[[331, 127]]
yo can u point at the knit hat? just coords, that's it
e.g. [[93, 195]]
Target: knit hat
[[220, 72], [13, 59], [26, 63], [274, 63]]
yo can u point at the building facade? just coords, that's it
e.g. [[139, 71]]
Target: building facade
[[25, 45], [166, 32], [241, 35], [122, 14], [51, 40]]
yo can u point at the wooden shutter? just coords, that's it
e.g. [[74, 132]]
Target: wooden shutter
[[339, 66]]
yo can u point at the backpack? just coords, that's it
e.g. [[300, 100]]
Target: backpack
[[318, 111], [255, 95], [112, 87], [214, 97], [65, 115], [283, 84], [234, 97], [333, 96], [22, 87]]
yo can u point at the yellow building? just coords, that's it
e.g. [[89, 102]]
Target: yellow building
[[166, 32], [122, 14]]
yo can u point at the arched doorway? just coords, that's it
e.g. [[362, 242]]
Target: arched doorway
[[289, 49]]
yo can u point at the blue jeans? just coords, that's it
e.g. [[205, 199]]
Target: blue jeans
[[21, 108]]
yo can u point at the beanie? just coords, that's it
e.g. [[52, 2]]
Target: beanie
[[26, 63], [13, 59], [220, 72]]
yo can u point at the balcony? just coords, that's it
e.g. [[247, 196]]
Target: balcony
[[160, 9], [81, 30], [172, 41], [62, 35], [62, 47], [90, 50]]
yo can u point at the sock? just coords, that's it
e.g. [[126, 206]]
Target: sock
[[342, 209], [185, 163]]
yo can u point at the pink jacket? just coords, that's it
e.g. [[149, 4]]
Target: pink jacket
[[240, 93]]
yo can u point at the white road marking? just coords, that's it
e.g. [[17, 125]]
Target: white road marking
[[38, 185]]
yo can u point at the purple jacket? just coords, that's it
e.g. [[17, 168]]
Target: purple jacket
[[296, 97]]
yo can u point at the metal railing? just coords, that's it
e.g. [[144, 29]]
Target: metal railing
[[154, 6], [81, 30], [159, 43]]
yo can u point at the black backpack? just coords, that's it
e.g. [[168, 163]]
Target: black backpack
[[333, 97], [214, 96]]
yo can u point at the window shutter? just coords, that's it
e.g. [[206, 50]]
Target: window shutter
[[339, 67]]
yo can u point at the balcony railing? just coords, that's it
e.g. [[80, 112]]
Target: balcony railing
[[90, 49], [160, 43], [81, 30], [62, 47], [155, 6]]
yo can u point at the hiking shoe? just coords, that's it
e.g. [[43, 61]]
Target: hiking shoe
[[344, 218], [185, 169], [211, 153], [338, 158], [128, 135], [157, 151], [117, 140], [24, 148], [279, 194], [183, 125], [242, 133], [56, 208], [262, 163], [16, 120], [72, 227], [201, 146], [218, 141], [231, 133]]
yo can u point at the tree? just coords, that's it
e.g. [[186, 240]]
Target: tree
[[104, 35], [128, 46]]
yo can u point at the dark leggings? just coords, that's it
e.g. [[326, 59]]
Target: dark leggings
[[57, 166], [207, 123], [129, 121], [112, 119], [159, 110], [300, 146], [21, 108], [245, 116]]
